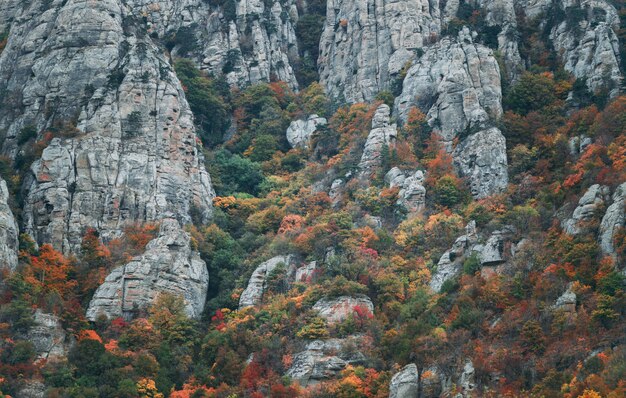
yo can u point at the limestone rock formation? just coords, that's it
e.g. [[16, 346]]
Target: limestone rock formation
[[382, 133], [169, 265], [251, 42], [481, 158], [451, 261], [258, 281], [365, 44], [337, 309], [300, 131], [8, 231], [307, 272], [48, 337], [125, 151], [322, 360], [588, 45], [412, 194], [589, 207], [404, 383], [614, 218], [456, 83], [567, 301], [494, 252]]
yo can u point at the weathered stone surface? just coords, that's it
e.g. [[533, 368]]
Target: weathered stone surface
[[412, 194], [466, 380], [404, 383], [251, 44], [451, 261], [169, 265], [364, 44], [494, 252], [324, 359], [48, 337], [307, 272], [567, 301], [481, 158], [589, 207], [300, 131], [613, 219], [456, 83], [258, 281], [337, 309], [31, 389], [589, 48], [336, 191], [383, 134], [133, 156], [8, 231]]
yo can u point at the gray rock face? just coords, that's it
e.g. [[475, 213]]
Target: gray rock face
[[451, 261], [589, 207], [412, 194], [567, 301], [48, 337], [32, 389], [306, 272], [613, 219], [466, 380], [456, 83], [8, 231], [404, 383], [493, 251], [590, 47], [337, 309], [382, 133], [365, 44], [258, 281], [300, 131], [168, 266], [250, 44], [481, 158], [323, 360], [133, 156]]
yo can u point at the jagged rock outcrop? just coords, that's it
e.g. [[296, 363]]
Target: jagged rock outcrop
[[249, 41], [451, 261], [481, 158], [383, 134], [336, 191], [412, 194], [456, 83], [48, 337], [133, 155], [494, 252], [567, 301], [589, 207], [299, 131], [588, 44], [365, 44], [32, 389], [337, 309], [404, 384], [323, 360], [257, 284], [613, 220], [8, 231], [169, 265], [306, 273], [466, 379]]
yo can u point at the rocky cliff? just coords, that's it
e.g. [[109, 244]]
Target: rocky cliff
[[124, 148], [8, 231], [168, 266]]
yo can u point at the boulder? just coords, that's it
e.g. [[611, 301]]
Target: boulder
[[257, 284], [338, 309], [324, 359], [451, 261], [169, 265], [299, 132], [589, 208], [404, 384]]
